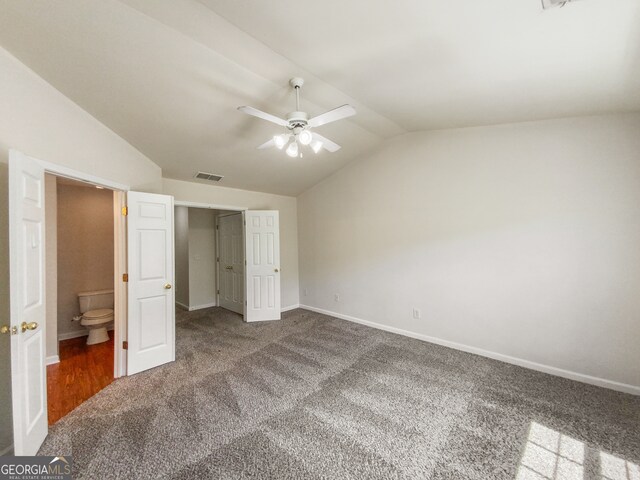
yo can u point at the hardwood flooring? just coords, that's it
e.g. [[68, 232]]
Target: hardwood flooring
[[83, 371]]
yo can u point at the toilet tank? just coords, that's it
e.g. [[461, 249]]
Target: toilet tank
[[95, 300]]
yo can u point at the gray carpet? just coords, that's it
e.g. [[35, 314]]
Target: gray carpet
[[316, 397]]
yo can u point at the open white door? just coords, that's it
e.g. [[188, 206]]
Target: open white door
[[150, 251], [26, 244], [262, 247]]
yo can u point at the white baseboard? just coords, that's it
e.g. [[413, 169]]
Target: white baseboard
[[190, 309], [200, 307], [78, 333], [70, 335], [53, 359], [559, 372], [6, 450]]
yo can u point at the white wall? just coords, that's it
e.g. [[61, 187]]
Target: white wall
[[181, 222], [41, 122], [202, 257], [522, 239], [51, 259], [287, 206]]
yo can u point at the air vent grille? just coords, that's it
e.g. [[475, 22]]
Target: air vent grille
[[212, 177]]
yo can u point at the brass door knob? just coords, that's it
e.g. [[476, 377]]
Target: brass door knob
[[28, 326], [276, 270], [8, 330], [167, 286]]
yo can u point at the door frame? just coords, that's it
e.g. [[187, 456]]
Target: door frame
[[120, 254], [215, 206]]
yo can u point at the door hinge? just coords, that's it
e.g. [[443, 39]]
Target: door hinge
[[218, 292], [125, 277], [125, 211], [217, 259], [125, 345], [217, 227]]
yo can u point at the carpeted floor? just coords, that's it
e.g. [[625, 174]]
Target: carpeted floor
[[316, 397]]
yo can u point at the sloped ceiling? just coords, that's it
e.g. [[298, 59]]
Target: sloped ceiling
[[167, 75]]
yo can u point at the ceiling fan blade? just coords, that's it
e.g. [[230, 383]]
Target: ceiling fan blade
[[326, 143], [332, 115], [268, 144], [263, 115]]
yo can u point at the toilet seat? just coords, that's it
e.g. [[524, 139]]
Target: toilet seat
[[96, 317]]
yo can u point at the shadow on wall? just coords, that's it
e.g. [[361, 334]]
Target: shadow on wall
[[6, 427]]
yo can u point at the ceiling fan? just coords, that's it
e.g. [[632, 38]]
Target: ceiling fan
[[299, 125]]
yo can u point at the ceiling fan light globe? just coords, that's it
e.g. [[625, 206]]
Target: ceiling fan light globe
[[292, 149], [280, 141], [305, 137], [316, 146]]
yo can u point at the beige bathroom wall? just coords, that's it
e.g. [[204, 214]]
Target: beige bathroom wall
[[51, 265], [85, 249]]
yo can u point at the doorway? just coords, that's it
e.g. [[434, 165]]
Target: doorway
[[143, 294], [209, 259], [251, 272], [80, 251]]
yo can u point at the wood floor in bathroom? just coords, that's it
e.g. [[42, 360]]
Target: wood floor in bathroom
[[83, 371]]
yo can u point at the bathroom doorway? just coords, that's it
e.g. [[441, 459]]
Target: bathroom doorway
[[79, 292]]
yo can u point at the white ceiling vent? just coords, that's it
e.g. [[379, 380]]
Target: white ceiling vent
[[212, 177]]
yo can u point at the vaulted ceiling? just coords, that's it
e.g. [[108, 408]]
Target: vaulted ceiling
[[167, 75]]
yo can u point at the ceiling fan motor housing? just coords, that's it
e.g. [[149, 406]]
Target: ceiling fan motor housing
[[297, 119]]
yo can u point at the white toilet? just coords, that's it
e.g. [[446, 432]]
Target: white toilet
[[97, 314]]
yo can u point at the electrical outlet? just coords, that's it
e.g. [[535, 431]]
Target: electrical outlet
[[416, 313], [336, 297]]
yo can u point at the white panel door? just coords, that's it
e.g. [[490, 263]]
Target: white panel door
[[150, 251], [26, 244], [231, 263], [262, 250]]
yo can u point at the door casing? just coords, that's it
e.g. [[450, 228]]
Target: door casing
[[120, 254]]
